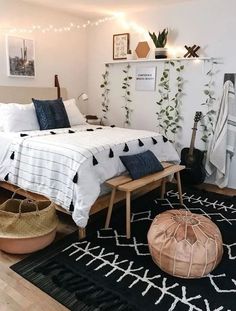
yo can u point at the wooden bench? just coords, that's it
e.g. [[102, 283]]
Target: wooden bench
[[128, 185]]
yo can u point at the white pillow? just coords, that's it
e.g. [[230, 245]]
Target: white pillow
[[73, 113], [18, 117]]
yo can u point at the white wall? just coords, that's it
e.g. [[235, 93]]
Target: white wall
[[63, 53], [210, 24]]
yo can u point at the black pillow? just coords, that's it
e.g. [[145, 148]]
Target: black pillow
[[141, 164], [51, 114]]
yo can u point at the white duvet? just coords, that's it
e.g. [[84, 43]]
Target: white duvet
[[70, 168]]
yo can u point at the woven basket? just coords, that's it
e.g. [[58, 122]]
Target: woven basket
[[26, 225]]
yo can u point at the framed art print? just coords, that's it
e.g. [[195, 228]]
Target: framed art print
[[20, 57], [120, 46]]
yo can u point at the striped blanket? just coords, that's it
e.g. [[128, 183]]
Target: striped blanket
[[70, 165], [222, 146]]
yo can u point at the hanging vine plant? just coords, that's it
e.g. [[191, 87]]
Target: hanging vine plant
[[169, 108], [105, 93], [209, 104], [126, 96]]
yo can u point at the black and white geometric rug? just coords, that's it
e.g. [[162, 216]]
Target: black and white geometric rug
[[107, 272]]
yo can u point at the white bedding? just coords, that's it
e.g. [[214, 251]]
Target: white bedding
[[63, 167]]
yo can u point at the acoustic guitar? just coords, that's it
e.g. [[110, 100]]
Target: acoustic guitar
[[192, 158]]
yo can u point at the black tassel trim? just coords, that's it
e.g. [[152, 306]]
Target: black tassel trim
[[75, 179], [95, 161], [79, 288], [12, 155], [71, 132], [140, 143], [112, 125], [111, 153], [154, 141], [6, 177], [164, 139], [53, 133], [126, 148], [23, 135], [98, 128], [71, 208], [90, 130]]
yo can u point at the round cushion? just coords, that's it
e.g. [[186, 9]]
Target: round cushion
[[184, 244]]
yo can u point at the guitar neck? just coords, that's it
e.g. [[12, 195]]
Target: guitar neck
[[193, 139]]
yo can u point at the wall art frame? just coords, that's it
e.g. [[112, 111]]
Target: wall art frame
[[20, 57], [120, 46]]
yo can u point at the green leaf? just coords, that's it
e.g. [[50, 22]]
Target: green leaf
[[165, 75]]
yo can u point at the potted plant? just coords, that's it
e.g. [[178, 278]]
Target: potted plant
[[160, 42]]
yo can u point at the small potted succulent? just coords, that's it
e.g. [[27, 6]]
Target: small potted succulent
[[160, 42]]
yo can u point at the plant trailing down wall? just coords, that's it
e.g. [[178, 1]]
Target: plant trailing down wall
[[208, 120], [169, 104], [105, 93], [126, 95]]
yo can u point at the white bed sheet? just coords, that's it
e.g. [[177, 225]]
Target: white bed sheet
[[62, 165]]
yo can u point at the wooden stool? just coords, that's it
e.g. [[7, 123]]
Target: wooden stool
[[127, 185]]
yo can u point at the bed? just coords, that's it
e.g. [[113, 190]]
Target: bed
[[69, 165]]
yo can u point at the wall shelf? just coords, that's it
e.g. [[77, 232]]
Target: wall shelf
[[148, 60]]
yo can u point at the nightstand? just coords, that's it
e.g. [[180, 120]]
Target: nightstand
[[91, 119]]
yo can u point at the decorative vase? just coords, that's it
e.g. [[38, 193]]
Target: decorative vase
[[160, 53]]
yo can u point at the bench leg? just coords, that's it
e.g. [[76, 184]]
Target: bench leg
[[108, 219], [128, 231], [179, 188], [163, 188], [82, 233]]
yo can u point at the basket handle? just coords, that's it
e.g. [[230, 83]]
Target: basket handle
[[15, 192], [31, 202]]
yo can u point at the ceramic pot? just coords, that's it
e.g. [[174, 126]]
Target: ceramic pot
[[160, 53]]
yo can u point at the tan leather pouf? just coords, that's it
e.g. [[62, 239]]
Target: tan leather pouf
[[184, 244]]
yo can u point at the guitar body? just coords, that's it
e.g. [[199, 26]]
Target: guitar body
[[192, 158], [194, 173]]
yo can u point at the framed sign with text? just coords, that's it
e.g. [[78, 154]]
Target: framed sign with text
[[145, 79]]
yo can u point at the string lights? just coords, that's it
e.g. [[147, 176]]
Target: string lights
[[51, 28]]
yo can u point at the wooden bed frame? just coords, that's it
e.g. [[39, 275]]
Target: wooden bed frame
[[23, 95], [101, 203]]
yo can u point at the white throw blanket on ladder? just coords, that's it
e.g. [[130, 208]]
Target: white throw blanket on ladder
[[222, 146]]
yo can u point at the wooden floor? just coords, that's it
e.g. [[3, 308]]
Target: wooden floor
[[17, 294]]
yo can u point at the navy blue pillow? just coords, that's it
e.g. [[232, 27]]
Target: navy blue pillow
[[141, 164], [51, 114]]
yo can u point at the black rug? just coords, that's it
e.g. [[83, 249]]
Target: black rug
[[108, 272]]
